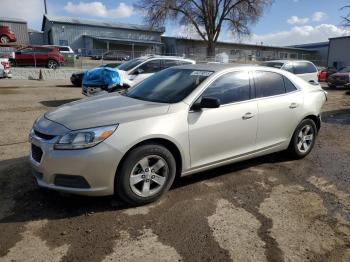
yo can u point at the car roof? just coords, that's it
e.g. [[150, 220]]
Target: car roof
[[286, 61], [211, 67]]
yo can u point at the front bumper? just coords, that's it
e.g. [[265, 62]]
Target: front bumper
[[96, 166]]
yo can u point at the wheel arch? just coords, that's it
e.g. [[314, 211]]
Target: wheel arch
[[314, 118], [171, 146]]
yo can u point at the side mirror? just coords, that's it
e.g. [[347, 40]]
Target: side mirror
[[18, 52], [206, 102]]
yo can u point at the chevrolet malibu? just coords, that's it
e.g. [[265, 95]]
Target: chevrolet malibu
[[179, 121]]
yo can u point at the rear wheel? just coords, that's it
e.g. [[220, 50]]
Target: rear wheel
[[146, 173], [303, 139], [4, 39], [52, 64]]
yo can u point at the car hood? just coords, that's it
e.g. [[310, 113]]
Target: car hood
[[104, 110]]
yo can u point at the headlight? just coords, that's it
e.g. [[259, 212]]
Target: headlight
[[84, 138]]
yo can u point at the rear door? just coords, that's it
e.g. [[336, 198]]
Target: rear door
[[25, 56], [218, 134], [279, 104]]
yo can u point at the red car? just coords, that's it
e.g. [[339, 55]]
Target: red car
[[6, 35], [340, 79], [39, 56], [325, 73]]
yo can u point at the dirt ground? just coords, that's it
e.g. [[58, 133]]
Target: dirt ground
[[266, 209]]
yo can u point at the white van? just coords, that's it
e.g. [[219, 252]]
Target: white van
[[304, 69]]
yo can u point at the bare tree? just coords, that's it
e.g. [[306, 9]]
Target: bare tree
[[346, 18], [208, 17]]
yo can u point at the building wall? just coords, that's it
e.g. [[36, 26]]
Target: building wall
[[241, 52], [73, 35], [36, 38], [339, 52], [20, 30]]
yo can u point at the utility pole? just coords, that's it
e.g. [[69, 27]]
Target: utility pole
[[45, 7]]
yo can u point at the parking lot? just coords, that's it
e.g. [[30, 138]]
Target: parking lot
[[266, 209]]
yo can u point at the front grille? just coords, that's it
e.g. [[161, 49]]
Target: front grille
[[43, 136], [37, 153]]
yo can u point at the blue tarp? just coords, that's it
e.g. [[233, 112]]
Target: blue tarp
[[101, 76]]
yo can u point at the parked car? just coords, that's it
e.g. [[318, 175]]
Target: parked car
[[4, 67], [324, 73], [304, 69], [340, 78], [112, 55], [6, 35], [39, 56], [138, 69], [67, 53], [177, 122], [77, 78]]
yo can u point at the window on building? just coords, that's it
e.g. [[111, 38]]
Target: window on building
[[268, 84], [230, 88]]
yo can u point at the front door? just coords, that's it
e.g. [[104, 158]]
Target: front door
[[222, 133]]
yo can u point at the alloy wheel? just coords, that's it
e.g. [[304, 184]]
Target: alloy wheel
[[52, 64], [149, 176], [305, 138], [4, 39]]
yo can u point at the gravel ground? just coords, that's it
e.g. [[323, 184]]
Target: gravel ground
[[266, 209]]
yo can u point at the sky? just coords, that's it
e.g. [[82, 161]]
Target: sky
[[286, 22]]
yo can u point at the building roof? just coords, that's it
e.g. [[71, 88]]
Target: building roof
[[12, 20], [312, 45], [98, 23], [242, 44], [340, 37]]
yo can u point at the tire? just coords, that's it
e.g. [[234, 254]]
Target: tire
[[306, 131], [4, 39], [135, 181], [52, 64]]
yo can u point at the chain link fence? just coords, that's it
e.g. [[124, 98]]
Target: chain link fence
[[84, 59]]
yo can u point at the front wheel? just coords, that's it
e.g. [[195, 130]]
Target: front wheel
[[303, 139], [146, 173]]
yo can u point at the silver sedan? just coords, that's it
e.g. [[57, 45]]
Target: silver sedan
[[179, 121]]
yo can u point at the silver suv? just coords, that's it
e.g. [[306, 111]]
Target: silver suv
[[179, 121]]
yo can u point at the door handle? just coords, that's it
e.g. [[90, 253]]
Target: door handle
[[293, 105], [247, 116]]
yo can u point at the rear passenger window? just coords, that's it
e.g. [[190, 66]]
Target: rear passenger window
[[169, 63], [229, 88], [268, 84], [152, 66], [304, 68], [290, 87]]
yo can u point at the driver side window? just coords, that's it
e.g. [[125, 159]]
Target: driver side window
[[230, 88]]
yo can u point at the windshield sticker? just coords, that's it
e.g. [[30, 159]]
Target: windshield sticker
[[201, 73]]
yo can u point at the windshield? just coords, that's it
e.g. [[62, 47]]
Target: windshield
[[345, 70], [131, 64], [168, 86], [273, 64]]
